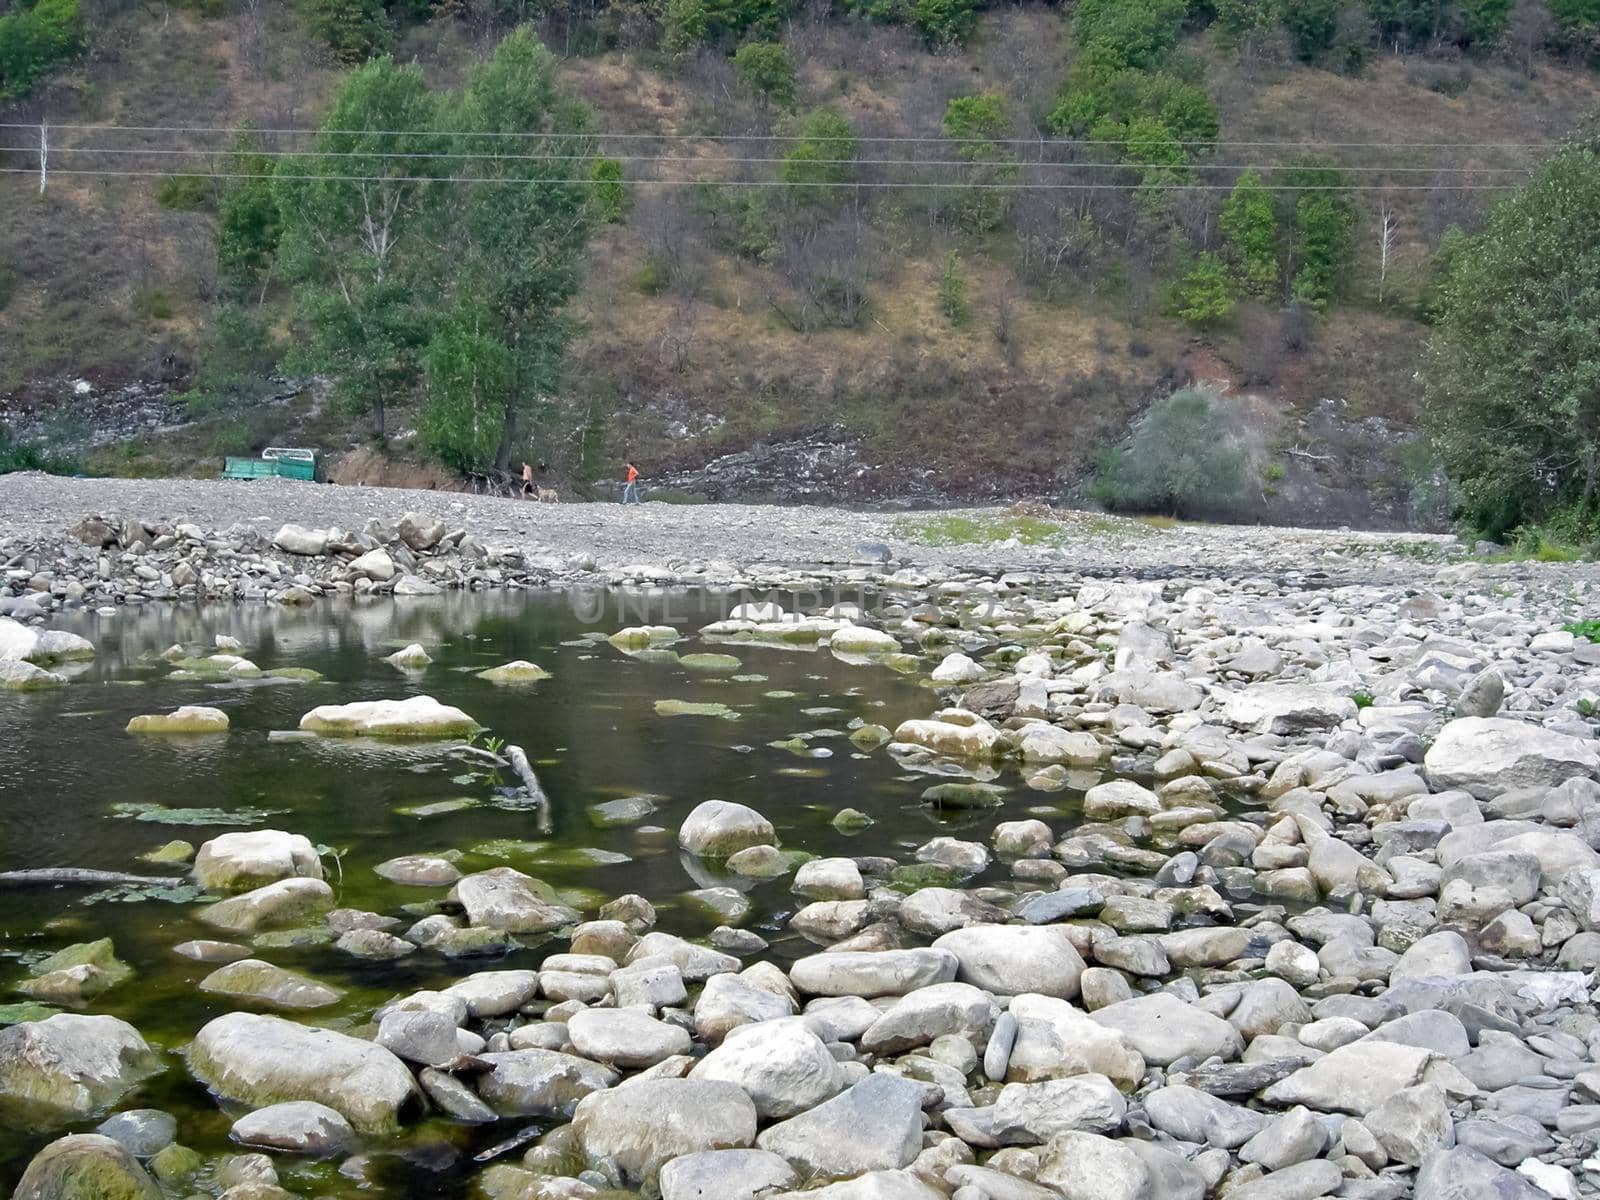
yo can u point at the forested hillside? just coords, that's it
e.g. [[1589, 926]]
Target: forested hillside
[[762, 247]]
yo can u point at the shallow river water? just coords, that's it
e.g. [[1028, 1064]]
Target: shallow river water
[[76, 790]]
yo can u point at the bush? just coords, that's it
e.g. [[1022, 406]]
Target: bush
[[953, 292], [819, 161], [1181, 456], [609, 198], [152, 303], [35, 40], [1203, 297], [17, 455], [185, 193], [765, 69]]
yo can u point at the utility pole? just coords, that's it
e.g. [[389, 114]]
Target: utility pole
[[44, 152]]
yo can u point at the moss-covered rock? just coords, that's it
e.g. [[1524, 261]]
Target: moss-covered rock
[[253, 981], [278, 904], [637, 637], [191, 718], [66, 1067], [175, 851], [25, 677], [77, 973], [175, 1163], [520, 671], [85, 1166], [709, 663], [695, 708]]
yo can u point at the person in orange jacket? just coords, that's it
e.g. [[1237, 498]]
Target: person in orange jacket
[[630, 490]]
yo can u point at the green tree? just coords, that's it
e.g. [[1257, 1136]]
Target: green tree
[[1181, 455], [355, 246], [1313, 27], [468, 374], [353, 29], [515, 241], [1251, 232], [248, 224], [1203, 296], [1324, 245], [1315, 203], [1129, 33], [1246, 22], [1483, 23], [952, 295], [1512, 384], [819, 162], [944, 22], [765, 69], [1151, 148], [35, 39], [978, 126], [683, 24]]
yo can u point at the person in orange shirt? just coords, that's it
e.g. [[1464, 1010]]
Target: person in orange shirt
[[527, 482], [630, 490]]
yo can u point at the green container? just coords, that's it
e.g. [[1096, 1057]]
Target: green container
[[297, 468]]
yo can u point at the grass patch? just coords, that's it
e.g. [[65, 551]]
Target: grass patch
[[1589, 630], [960, 529]]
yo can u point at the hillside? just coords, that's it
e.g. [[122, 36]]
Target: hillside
[[774, 349]]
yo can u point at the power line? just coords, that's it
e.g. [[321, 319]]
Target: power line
[[787, 183], [743, 161], [773, 137]]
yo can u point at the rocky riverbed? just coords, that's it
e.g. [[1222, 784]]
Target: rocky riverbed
[[1270, 874]]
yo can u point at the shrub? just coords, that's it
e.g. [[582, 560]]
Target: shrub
[[765, 69], [35, 40], [1203, 297], [819, 160], [152, 303], [17, 455], [185, 193], [953, 292], [609, 198], [1181, 455]]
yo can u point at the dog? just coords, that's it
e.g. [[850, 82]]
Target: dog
[[546, 495]]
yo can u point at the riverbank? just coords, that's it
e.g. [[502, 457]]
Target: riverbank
[[1082, 859]]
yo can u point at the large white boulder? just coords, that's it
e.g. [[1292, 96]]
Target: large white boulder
[[251, 858], [416, 717], [1490, 755], [260, 1060]]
